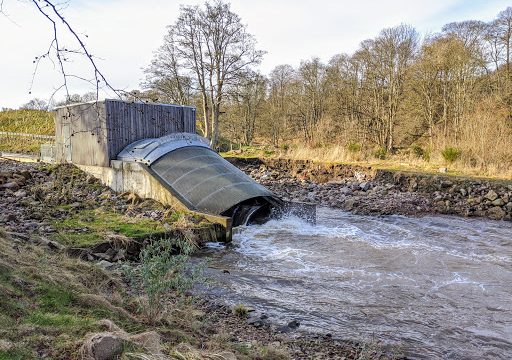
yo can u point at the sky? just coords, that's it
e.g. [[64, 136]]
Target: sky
[[123, 34]]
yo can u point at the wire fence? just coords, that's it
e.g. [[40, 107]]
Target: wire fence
[[23, 142]]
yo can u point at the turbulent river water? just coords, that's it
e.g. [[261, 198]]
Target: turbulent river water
[[436, 286]]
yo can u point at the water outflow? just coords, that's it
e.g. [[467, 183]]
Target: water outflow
[[438, 287]]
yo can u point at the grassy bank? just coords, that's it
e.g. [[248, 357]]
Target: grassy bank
[[25, 121], [53, 305], [413, 160]]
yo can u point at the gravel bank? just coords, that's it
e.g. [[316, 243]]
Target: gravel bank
[[364, 190]]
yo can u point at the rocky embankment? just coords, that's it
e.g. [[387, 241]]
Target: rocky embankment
[[365, 190], [36, 199], [57, 306]]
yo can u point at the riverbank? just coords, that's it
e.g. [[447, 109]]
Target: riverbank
[[365, 190], [65, 242]]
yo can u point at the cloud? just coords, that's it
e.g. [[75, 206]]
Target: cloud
[[124, 34]]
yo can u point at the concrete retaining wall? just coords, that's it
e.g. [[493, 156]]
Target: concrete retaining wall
[[133, 177]]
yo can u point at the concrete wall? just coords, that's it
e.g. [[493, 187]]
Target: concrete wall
[[134, 177]]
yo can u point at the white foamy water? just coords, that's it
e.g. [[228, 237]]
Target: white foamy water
[[440, 287]]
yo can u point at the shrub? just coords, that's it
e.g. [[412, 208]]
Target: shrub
[[354, 147], [240, 310], [380, 153], [417, 151], [451, 154], [163, 268]]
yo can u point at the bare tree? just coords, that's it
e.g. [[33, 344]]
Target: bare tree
[[212, 46], [35, 104], [281, 79], [165, 76]]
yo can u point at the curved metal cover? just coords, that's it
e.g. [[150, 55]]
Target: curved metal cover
[[149, 150], [207, 181]]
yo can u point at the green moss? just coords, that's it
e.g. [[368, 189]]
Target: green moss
[[89, 227], [56, 320], [16, 354]]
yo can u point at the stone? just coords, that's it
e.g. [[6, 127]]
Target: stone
[[496, 213], [120, 255], [102, 346], [255, 321], [509, 206], [10, 217], [12, 185], [446, 184], [53, 245], [294, 324], [498, 202], [348, 204], [463, 192], [20, 194], [104, 264], [6, 345], [491, 195], [365, 186], [102, 256]]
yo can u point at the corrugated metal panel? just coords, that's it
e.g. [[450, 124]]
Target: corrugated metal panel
[[128, 122], [207, 181], [99, 131]]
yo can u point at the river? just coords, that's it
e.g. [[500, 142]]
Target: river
[[434, 287]]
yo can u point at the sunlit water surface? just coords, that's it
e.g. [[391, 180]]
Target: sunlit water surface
[[437, 286]]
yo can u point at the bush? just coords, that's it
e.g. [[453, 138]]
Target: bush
[[240, 310], [417, 151], [354, 147], [163, 268], [380, 153], [451, 154]]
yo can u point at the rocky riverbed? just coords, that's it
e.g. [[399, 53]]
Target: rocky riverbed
[[364, 190]]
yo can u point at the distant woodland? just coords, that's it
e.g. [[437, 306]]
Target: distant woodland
[[447, 93], [445, 96]]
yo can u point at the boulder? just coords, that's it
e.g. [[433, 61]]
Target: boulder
[[348, 204], [491, 195], [365, 186], [496, 213], [102, 346], [498, 202]]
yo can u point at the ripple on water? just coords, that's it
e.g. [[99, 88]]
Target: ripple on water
[[438, 285]]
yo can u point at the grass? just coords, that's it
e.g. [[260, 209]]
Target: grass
[[410, 162], [41, 314], [25, 121], [89, 227], [50, 303]]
